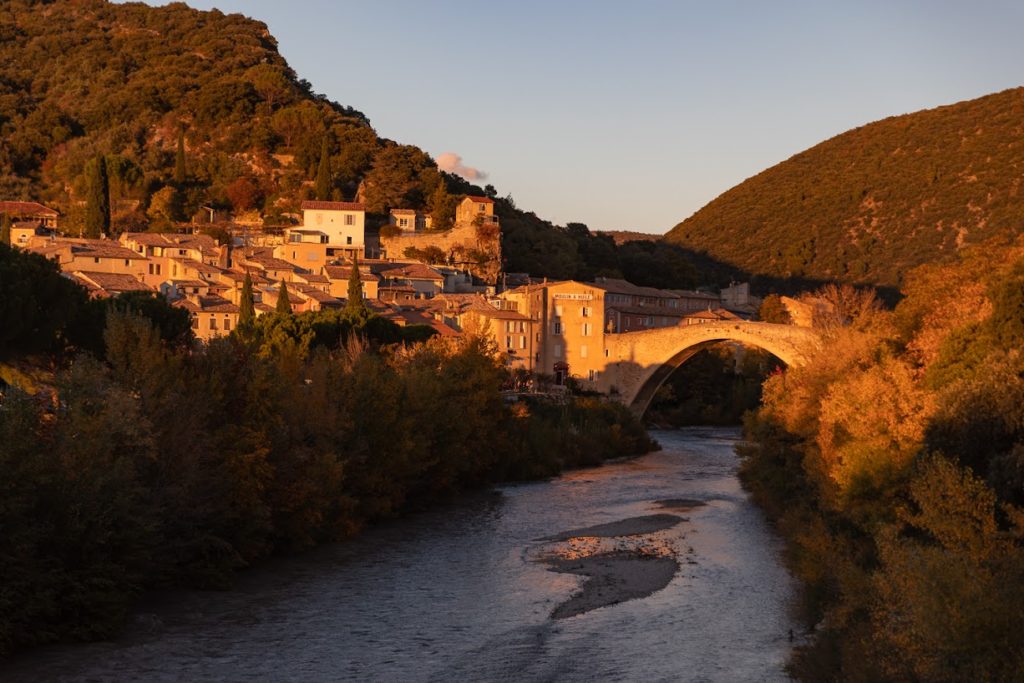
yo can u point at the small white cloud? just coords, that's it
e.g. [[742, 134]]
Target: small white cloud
[[452, 163]]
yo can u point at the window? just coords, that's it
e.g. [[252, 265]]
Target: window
[[350, 219], [96, 259], [483, 208], [227, 323], [583, 351], [522, 341], [213, 323], [558, 350], [557, 328], [127, 262], [585, 312], [510, 326], [558, 310], [403, 222], [591, 375], [195, 323], [348, 240], [587, 327], [538, 337], [508, 342], [293, 254], [607, 353]]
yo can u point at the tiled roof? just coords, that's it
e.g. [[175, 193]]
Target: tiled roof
[[113, 283], [312, 205], [344, 272], [271, 262], [403, 212], [313, 293], [413, 271], [480, 200], [485, 309], [100, 249], [617, 286], [313, 278], [207, 304], [26, 209], [170, 239]]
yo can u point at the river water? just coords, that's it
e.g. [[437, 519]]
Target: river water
[[460, 594]]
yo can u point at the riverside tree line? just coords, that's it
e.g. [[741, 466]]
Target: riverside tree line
[[143, 461], [893, 463]]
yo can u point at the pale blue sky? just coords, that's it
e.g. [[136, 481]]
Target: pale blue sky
[[633, 115]]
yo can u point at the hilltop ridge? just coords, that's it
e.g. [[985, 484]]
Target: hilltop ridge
[[869, 204]]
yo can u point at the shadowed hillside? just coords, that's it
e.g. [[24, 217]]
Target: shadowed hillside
[[870, 204]]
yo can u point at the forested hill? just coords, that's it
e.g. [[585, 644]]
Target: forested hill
[[871, 203], [133, 84]]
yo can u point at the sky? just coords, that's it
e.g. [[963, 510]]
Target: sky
[[633, 115]]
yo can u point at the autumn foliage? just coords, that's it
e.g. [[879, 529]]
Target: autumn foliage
[[892, 464]]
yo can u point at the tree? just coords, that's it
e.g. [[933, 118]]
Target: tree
[[5, 229], [323, 173], [356, 306], [165, 204], [246, 308], [97, 201], [442, 208], [284, 305], [243, 194], [180, 171]]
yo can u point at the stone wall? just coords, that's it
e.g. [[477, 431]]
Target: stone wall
[[461, 238]]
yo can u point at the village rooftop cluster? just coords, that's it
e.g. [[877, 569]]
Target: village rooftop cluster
[[549, 328]]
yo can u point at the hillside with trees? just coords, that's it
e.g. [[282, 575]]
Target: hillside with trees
[[177, 112], [870, 204]]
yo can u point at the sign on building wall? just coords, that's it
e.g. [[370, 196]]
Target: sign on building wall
[[574, 297]]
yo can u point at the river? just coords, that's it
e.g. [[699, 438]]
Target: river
[[467, 592]]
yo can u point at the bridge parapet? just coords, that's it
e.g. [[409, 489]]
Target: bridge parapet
[[639, 362]]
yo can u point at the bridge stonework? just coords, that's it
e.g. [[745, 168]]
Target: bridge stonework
[[639, 362]]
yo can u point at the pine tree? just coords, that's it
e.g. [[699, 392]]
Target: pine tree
[[246, 308], [323, 174], [442, 208], [284, 304], [180, 171], [356, 307], [5, 229], [97, 204]]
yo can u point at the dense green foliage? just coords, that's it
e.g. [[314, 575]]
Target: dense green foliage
[[136, 86], [167, 467], [97, 200], [892, 463], [43, 312], [535, 246], [715, 387], [870, 204]]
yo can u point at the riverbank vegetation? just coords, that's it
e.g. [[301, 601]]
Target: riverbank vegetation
[[144, 462], [892, 463], [718, 386]]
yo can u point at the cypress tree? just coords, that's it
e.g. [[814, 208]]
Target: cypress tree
[[356, 306], [5, 229], [283, 302], [323, 174], [180, 171], [246, 308], [97, 201]]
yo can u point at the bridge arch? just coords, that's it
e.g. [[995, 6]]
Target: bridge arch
[[640, 362]]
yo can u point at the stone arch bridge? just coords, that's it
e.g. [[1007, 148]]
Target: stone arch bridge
[[638, 363]]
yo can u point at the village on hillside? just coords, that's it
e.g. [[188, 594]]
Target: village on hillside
[[410, 274]]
